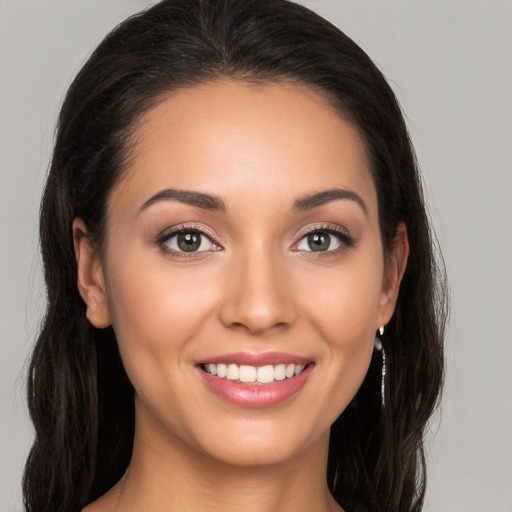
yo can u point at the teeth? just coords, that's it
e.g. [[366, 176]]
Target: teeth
[[247, 373], [280, 372], [265, 374], [259, 374], [221, 370], [232, 373]]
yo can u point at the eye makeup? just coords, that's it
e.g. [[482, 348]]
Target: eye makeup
[[186, 241], [193, 241], [319, 240]]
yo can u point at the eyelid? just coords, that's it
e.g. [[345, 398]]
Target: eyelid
[[166, 234], [340, 232], [332, 228]]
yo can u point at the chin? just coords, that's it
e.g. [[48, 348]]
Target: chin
[[256, 441]]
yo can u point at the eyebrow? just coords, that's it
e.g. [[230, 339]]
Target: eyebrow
[[326, 196], [216, 203], [197, 199]]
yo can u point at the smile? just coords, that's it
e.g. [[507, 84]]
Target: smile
[[254, 374], [256, 380]]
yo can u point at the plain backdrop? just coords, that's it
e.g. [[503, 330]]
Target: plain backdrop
[[450, 63]]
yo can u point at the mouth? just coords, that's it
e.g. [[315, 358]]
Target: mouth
[[256, 380], [247, 374]]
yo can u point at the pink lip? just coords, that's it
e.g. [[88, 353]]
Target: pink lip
[[256, 395], [252, 359]]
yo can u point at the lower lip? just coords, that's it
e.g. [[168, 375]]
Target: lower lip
[[256, 395]]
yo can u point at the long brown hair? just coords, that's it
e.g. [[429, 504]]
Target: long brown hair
[[80, 399]]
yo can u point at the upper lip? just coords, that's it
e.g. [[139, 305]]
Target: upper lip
[[256, 359]]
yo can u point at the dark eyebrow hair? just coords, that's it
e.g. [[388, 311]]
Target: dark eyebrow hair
[[326, 196], [198, 199], [216, 203]]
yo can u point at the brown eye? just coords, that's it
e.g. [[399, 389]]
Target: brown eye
[[319, 241], [189, 241], [322, 241]]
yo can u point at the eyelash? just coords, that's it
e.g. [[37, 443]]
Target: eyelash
[[345, 239], [164, 238]]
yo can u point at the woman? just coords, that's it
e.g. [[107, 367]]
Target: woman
[[232, 214]]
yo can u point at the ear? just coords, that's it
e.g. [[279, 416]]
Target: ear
[[396, 263], [91, 281]]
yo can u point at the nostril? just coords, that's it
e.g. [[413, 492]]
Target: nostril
[[257, 298]]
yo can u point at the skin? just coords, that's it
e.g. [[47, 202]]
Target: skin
[[258, 288]]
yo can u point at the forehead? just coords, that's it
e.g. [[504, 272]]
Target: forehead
[[230, 138]]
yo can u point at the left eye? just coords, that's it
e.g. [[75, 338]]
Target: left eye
[[189, 241], [319, 241]]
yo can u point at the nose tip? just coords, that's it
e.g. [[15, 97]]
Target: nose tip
[[257, 299], [257, 322]]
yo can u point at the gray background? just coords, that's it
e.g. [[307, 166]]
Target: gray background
[[450, 63]]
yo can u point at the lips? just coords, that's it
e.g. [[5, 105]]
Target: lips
[[255, 380], [263, 359]]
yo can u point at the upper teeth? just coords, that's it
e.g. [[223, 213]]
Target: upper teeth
[[260, 374]]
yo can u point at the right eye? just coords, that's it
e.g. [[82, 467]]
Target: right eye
[[187, 240]]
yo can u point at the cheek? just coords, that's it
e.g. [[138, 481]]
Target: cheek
[[155, 314], [342, 308], [343, 303], [146, 295]]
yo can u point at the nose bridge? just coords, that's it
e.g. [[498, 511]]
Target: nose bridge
[[256, 296]]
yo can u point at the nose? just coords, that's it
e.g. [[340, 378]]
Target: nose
[[258, 297]]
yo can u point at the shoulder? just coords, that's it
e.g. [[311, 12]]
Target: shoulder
[[107, 503]]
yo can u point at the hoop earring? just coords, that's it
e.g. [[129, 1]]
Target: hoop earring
[[378, 346]]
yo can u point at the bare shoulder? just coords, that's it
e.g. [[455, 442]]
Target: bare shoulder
[[107, 502]]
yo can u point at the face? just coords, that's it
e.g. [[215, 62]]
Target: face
[[243, 271]]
